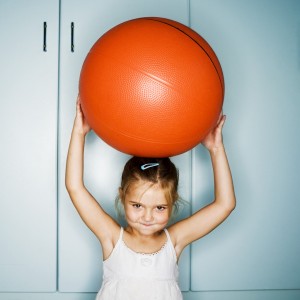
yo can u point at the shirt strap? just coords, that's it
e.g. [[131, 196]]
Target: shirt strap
[[171, 244], [121, 233], [167, 234]]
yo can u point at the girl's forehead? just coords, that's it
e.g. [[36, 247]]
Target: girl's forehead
[[143, 191], [142, 185]]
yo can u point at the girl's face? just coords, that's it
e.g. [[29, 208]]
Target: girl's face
[[146, 208]]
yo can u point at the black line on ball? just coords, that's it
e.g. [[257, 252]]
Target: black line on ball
[[160, 21]]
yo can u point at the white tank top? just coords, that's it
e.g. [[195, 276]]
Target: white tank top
[[128, 275]]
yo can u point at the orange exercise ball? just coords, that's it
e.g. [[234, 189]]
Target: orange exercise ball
[[151, 87]]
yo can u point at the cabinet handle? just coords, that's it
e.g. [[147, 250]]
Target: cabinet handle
[[72, 37], [45, 37]]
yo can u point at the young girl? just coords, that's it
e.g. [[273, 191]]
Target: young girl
[[140, 261]]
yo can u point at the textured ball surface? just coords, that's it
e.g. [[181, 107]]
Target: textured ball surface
[[151, 87]]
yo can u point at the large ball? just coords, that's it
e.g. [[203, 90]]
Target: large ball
[[151, 87]]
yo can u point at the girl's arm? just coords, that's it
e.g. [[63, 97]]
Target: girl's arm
[[212, 215], [101, 224]]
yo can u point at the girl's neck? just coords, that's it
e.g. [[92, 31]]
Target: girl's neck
[[144, 243]]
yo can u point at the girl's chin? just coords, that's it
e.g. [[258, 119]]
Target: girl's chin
[[151, 228]]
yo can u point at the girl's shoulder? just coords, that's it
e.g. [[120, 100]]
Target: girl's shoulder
[[174, 235], [109, 244], [171, 232]]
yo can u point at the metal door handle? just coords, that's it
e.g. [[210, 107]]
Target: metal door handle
[[72, 37], [45, 37]]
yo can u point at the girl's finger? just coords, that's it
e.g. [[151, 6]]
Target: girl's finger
[[220, 116], [221, 122], [78, 99], [78, 106]]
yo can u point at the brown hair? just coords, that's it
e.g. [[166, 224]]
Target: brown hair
[[164, 173]]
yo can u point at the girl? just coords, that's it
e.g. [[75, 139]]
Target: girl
[[140, 261]]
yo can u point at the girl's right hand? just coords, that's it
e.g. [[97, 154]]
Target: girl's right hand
[[213, 141], [80, 124]]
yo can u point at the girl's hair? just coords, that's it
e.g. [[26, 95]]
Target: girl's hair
[[159, 171]]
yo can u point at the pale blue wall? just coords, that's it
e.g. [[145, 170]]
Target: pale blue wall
[[255, 252], [257, 248]]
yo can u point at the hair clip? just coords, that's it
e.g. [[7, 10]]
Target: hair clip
[[150, 165]]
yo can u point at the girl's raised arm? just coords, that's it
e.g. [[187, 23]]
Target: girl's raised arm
[[101, 224], [212, 215]]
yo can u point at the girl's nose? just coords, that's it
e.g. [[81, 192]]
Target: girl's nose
[[148, 217]]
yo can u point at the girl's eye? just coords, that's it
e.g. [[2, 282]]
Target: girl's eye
[[136, 205], [161, 208]]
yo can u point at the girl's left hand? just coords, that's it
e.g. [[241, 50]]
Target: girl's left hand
[[80, 123], [214, 140]]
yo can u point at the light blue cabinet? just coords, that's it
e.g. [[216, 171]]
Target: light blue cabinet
[[258, 247], [80, 257], [28, 121], [45, 247]]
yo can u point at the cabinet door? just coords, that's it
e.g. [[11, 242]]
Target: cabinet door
[[258, 247], [80, 257], [28, 121]]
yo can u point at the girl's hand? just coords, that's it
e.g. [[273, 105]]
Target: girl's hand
[[80, 124], [213, 141]]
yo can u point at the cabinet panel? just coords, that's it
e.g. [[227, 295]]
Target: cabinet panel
[[80, 257], [28, 118], [258, 246]]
